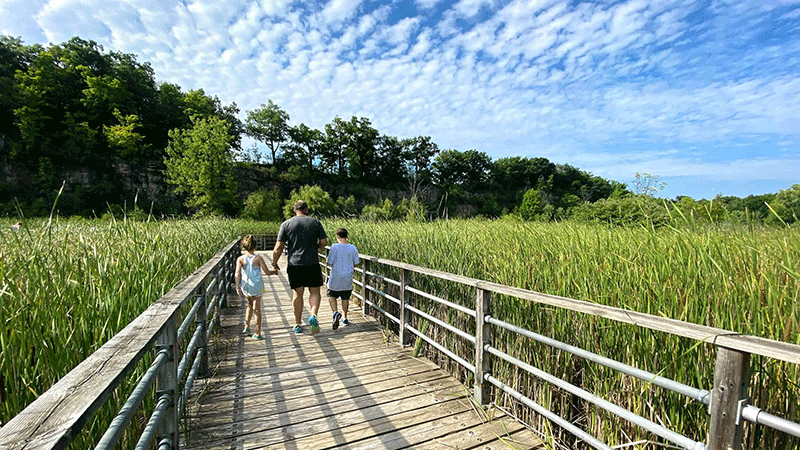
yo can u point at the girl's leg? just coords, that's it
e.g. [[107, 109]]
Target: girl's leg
[[257, 312], [249, 314]]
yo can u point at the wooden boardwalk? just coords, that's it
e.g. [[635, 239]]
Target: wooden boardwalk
[[353, 388]]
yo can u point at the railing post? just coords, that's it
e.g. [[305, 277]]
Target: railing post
[[731, 382], [483, 337], [405, 277], [216, 295], [365, 279], [167, 383], [201, 319]]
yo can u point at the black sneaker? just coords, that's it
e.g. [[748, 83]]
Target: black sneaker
[[345, 322], [336, 317]]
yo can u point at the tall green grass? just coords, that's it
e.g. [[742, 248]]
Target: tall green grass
[[67, 286], [741, 280]]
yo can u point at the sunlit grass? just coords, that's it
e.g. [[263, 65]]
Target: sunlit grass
[[67, 286]]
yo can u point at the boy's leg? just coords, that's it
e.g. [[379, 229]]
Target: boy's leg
[[297, 304], [345, 307], [334, 303]]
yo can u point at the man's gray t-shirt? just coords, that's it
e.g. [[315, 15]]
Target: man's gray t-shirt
[[301, 234]]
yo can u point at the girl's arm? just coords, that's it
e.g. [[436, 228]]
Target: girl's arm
[[259, 261], [239, 276]]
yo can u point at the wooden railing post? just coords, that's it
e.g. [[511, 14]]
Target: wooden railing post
[[365, 279], [405, 277], [214, 295], [482, 337], [731, 382], [167, 383], [201, 319]]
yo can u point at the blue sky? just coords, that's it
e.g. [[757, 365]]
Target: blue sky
[[704, 94]]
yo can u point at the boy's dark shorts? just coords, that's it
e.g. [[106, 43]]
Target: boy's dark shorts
[[304, 276], [344, 295]]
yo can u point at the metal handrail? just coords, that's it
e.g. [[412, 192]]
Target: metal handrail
[[86, 387], [720, 338]]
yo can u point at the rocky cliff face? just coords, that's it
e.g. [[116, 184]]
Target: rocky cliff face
[[145, 183]]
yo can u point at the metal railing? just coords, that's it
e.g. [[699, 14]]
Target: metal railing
[[54, 419], [727, 402]]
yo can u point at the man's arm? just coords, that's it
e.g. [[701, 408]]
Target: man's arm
[[323, 243], [276, 253]]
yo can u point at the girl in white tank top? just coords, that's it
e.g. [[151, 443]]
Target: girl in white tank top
[[249, 282]]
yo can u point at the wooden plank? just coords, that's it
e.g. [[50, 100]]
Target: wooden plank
[[343, 388]]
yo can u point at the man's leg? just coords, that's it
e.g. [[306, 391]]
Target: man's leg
[[297, 304], [314, 299]]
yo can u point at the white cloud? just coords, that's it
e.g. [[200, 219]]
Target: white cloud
[[339, 10], [536, 77]]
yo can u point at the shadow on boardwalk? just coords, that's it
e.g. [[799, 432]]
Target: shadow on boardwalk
[[353, 388]]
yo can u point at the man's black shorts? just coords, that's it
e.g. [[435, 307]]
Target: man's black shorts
[[304, 276], [344, 295]]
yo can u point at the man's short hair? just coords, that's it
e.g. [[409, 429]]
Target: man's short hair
[[300, 205]]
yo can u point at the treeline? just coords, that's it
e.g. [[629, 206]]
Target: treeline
[[74, 106]]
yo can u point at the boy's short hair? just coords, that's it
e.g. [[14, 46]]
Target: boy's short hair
[[342, 233], [300, 205], [249, 243]]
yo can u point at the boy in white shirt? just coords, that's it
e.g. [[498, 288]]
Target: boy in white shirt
[[342, 259]]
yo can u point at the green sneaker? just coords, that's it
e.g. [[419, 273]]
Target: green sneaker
[[257, 337], [314, 324], [298, 328]]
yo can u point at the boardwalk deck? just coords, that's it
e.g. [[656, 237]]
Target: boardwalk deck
[[353, 388]]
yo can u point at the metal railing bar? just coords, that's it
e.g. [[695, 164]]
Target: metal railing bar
[[373, 305], [189, 351], [442, 349], [382, 278], [384, 295], [187, 388], [189, 318], [623, 413], [152, 424], [211, 305], [463, 309], [211, 285], [443, 324], [701, 395], [758, 416], [124, 416], [214, 320], [553, 417]]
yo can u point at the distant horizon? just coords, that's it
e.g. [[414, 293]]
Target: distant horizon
[[703, 93]]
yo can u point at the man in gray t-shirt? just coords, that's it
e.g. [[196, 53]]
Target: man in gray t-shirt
[[302, 236]]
